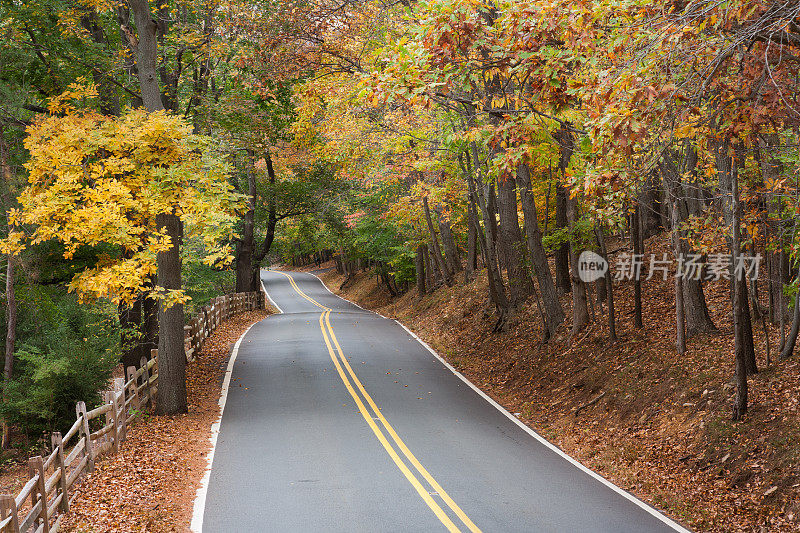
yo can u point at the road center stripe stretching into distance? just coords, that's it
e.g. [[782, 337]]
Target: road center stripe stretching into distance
[[528, 430], [294, 453], [422, 491]]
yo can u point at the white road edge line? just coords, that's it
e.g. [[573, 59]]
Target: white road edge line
[[263, 288], [199, 508], [552, 447]]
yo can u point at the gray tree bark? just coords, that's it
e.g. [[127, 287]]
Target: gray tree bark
[[437, 252], [497, 291], [519, 277], [698, 319], [449, 244], [580, 308], [728, 170], [562, 252], [635, 226], [246, 243], [171, 356], [472, 237], [538, 257]]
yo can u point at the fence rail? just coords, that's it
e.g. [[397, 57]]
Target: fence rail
[[40, 505]]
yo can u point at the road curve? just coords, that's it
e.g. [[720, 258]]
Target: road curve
[[337, 419]]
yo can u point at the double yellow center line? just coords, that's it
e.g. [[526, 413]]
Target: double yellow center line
[[341, 363]]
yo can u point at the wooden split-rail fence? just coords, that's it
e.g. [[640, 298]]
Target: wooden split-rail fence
[[40, 506]]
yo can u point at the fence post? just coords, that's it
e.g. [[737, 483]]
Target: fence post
[[8, 507], [80, 410], [146, 377], [154, 394], [110, 397], [119, 399], [133, 388], [58, 444], [36, 467], [187, 342]]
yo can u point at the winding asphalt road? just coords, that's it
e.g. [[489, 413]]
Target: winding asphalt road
[[339, 420]]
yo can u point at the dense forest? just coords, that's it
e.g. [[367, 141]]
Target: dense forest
[[153, 154]]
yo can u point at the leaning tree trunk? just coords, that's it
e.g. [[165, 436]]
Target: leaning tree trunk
[[538, 257], [791, 340], [171, 356]]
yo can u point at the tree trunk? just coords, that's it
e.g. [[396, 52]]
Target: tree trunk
[[635, 225], [147, 55], [171, 355], [448, 243], [650, 202], [519, 276], [580, 308], [109, 99], [472, 236], [11, 337], [419, 265], [430, 269], [490, 200], [272, 220], [612, 319], [728, 168], [791, 339], [246, 244], [437, 252], [538, 257], [740, 297], [680, 319], [131, 326], [698, 319], [562, 252], [486, 238]]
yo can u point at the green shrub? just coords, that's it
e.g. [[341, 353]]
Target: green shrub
[[65, 353]]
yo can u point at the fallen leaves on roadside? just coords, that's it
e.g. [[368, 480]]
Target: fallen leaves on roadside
[[150, 485]]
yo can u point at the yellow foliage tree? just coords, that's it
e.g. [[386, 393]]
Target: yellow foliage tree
[[95, 180]]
